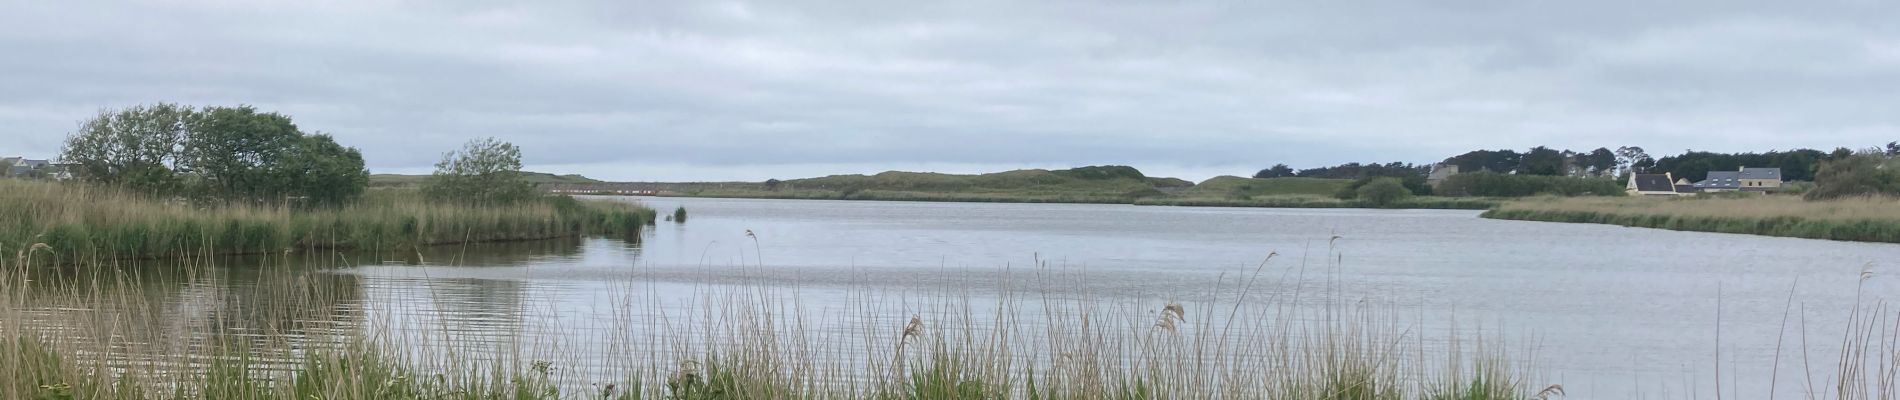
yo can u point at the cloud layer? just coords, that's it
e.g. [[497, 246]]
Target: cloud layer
[[733, 90]]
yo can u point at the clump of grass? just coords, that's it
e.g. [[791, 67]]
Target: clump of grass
[[80, 223], [679, 214]]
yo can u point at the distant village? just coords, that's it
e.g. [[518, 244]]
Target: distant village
[[21, 167], [1745, 179]]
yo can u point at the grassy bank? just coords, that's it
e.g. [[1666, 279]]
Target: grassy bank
[[415, 181], [1109, 184], [1094, 185], [1425, 202], [73, 222], [1863, 220], [1242, 188]]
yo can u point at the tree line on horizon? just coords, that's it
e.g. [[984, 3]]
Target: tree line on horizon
[[1602, 162]]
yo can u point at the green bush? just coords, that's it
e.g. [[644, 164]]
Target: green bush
[[1856, 176], [1383, 192]]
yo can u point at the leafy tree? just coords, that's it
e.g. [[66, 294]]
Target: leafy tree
[[324, 172], [140, 148], [1599, 162], [1633, 159], [772, 184], [1382, 192], [237, 153], [484, 171], [213, 153], [1541, 160], [1277, 171], [1854, 176], [1360, 171], [1893, 149], [1502, 161]]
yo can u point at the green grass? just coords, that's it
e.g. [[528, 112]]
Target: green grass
[[1105, 184], [1098, 185], [72, 223], [1861, 220], [1312, 201], [413, 181]]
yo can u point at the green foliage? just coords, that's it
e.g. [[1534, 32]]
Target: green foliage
[[1492, 184], [1169, 183], [1383, 192], [1541, 160], [1276, 171], [219, 154], [1856, 176], [1415, 184], [417, 181], [1368, 170], [484, 171], [679, 215], [77, 223], [141, 148], [1501, 161], [237, 153], [325, 172]]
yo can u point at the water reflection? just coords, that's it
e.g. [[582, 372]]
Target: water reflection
[[1616, 312]]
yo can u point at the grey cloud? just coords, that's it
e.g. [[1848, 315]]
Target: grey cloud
[[721, 87]]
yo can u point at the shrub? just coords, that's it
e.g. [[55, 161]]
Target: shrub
[[484, 171], [1856, 176], [1383, 192]]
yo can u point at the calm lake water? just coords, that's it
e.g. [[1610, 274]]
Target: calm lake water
[[1608, 312]]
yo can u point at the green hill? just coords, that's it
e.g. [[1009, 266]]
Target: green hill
[[1094, 184], [399, 180]]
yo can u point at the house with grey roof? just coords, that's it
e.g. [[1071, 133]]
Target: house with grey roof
[[1721, 181], [1744, 179], [1760, 179], [1652, 185], [20, 166]]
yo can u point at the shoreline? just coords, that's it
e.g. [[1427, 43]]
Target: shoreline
[[1430, 203], [1862, 220]]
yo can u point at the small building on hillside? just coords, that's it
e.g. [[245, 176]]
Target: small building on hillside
[[20, 166], [1440, 171], [1652, 185]]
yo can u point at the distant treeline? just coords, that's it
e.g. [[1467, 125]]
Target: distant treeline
[[1797, 164]]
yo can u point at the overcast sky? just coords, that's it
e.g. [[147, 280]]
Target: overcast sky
[[712, 90]]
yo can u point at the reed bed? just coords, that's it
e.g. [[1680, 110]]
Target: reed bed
[[109, 336], [131, 333], [76, 223], [1858, 219]]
